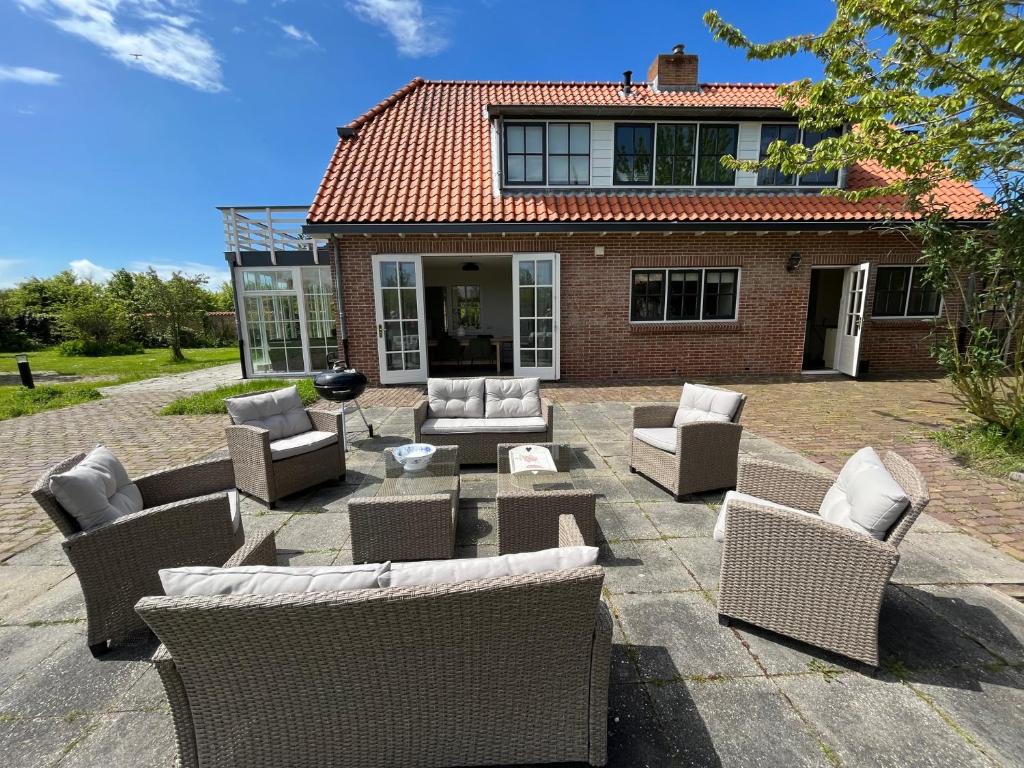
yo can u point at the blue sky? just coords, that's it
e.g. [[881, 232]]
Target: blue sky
[[113, 160]]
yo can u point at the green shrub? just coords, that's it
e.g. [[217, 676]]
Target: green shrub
[[986, 447], [212, 401], [93, 348]]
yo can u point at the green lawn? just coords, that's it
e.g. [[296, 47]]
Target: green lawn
[[212, 401], [15, 400]]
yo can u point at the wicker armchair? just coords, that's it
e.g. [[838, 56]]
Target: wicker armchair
[[259, 474], [805, 577], [705, 457], [505, 670], [482, 447], [186, 520]]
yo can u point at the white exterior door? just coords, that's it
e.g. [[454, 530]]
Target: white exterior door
[[851, 319], [535, 299], [401, 332]]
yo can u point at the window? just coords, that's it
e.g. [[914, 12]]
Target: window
[[648, 303], [716, 141], [524, 153], [773, 177], [634, 147], [902, 292], [569, 153], [679, 295], [321, 312], [820, 178], [466, 302], [677, 146]]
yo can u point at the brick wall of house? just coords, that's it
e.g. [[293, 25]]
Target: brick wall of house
[[597, 339]]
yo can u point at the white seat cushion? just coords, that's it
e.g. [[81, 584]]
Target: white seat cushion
[[714, 404], [659, 437], [97, 490], [515, 398], [865, 497], [269, 580], [731, 496], [235, 509], [424, 573], [301, 443], [472, 426], [279, 412], [455, 398]]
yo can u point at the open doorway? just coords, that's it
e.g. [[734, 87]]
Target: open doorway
[[468, 306], [824, 306]]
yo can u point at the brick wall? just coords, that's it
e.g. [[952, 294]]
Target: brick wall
[[597, 338]]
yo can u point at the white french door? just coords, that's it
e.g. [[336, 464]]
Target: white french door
[[851, 319], [535, 301], [401, 332]]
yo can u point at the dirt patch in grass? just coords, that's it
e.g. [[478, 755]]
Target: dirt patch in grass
[[212, 401]]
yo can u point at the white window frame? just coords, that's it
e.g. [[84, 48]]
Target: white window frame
[[906, 295], [664, 309]]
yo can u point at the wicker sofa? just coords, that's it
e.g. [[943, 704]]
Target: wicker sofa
[[803, 576], [497, 671], [278, 447], [690, 447], [186, 520], [479, 414]]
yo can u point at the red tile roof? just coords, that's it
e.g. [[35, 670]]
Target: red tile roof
[[423, 155]]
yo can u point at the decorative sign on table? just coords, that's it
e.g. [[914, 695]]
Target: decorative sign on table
[[530, 458]]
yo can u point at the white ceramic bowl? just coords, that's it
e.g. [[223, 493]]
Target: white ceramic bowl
[[414, 456]]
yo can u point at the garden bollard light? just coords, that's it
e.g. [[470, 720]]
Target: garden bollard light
[[25, 370]]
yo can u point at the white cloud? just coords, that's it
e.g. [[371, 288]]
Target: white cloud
[[415, 33], [28, 76], [83, 269], [299, 35], [157, 36]]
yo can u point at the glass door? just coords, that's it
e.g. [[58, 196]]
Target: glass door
[[536, 304], [851, 319], [272, 321], [401, 332]]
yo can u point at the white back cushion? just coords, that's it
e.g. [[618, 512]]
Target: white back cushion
[[269, 580], [513, 398], [97, 490], [714, 404], [455, 398], [865, 496], [428, 572], [280, 412]]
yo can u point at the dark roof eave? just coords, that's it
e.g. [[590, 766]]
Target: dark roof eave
[[633, 111], [454, 227]]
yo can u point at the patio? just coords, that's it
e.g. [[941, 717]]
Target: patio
[[684, 691]]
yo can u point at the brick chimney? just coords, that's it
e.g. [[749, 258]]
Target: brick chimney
[[676, 71]]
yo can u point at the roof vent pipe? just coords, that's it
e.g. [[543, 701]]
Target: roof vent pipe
[[627, 82], [678, 48]]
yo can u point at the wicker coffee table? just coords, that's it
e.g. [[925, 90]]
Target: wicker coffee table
[[529, 504], [414, 514]]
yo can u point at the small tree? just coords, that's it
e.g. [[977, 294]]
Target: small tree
[[934, 89], [93, 322], [175, 306]]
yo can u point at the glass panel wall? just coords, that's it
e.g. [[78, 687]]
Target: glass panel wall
[[321, 316]]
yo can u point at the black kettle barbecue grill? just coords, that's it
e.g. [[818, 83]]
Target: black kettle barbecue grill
[[343, 384]]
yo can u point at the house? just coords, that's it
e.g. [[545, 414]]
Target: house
[[583, 230]]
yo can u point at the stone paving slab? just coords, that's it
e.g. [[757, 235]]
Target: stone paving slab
[[685, 691]]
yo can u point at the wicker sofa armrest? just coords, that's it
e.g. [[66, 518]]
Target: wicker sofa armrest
[[600, 672], [249, 448], [326, 421], [652, 416], [196, 479], [569, 533], [707, 436], [791, 487], [547, 411], [419, 413], [260, 549], [181, 709]]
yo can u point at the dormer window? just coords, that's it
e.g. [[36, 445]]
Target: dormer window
[[568, 153], [524, 153], [634, 150], [716, 141], [792, 134]]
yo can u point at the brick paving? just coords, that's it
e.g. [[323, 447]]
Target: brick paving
[[125, 420], [824, 418], [827, 418]]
